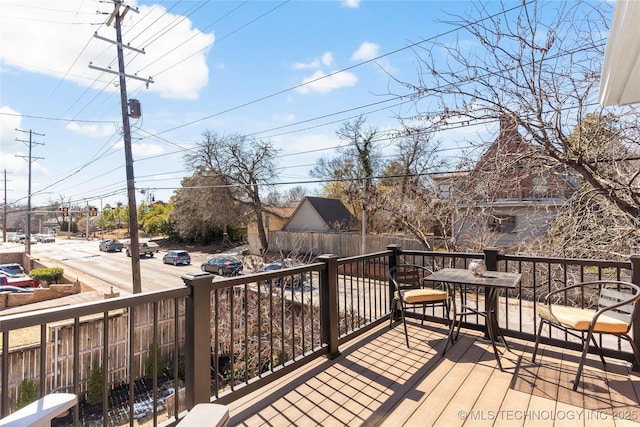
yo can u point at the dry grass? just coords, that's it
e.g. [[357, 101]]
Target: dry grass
[[24, 337]]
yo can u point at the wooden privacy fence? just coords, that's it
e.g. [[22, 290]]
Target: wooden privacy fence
[[341, 244], [24, 361]]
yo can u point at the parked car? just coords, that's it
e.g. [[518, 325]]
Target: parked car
[[32, 239], [222, 265], [45, 238], [177, 257], [20, 282], [298, 279], [15, 289], [16, 238], [109, 245], [145, 249], [12, 270]]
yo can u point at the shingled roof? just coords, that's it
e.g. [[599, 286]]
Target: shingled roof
[[334, 214]]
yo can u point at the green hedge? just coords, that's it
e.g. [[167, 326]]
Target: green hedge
[[27, 393], [47, 275], [94, 385]]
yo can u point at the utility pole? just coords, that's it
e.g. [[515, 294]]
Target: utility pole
[[4, 210], [27, 238], [86, 211], [135, 107]]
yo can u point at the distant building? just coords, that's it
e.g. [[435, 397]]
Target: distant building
[[513, 193], [273, 218], [321, 215]]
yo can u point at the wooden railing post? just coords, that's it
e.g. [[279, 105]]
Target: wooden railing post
[[635, 278], [329, 304], [198, 341], [491, 261], [491, 258]]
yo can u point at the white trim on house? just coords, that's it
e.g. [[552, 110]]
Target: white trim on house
[[620, 81]]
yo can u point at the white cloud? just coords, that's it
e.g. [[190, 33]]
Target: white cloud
[[9, 121], [353, 4], [306, 65], [14, 154], [175, 59], [326, 60], [366, 51], [320, 82], [94, 131]]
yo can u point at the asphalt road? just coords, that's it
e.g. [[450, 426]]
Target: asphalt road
[[112, 267]]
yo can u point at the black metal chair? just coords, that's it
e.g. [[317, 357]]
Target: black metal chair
[[411, 288], [612, 313]]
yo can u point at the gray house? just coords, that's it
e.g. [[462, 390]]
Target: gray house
[[320, 215]]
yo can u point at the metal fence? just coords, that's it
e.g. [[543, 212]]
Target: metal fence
[[221, 338]]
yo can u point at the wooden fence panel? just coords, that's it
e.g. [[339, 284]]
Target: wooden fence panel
[[342, 244], [24, 362]]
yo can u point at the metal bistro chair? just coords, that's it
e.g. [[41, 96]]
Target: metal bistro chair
[[612, 314], [411, 288]]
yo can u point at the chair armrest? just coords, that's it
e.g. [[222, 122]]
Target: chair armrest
[[624, 299], [578, 285], [631, 299]]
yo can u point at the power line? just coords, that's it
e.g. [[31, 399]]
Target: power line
[[30, 159], [309, 120]]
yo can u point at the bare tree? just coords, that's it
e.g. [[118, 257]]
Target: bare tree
[[591, 225], [406, 193], [352, 175], [538, 64], [243, 163]]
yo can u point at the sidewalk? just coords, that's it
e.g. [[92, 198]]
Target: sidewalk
[[93, 289]]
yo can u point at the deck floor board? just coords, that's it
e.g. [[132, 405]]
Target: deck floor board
[[378, 381]]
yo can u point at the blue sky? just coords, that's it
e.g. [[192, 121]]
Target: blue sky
[[226, 66]]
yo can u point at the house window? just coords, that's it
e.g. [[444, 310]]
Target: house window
[[539, 186], [444, 191], [502, 223]]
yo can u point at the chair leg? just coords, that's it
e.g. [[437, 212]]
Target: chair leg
[[634, 347], [404, 322], [582, 359], [394, 308], [450, 306], [535, 347], [595, 343]]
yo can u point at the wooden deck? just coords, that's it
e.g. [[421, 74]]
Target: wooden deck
[[377, 381]]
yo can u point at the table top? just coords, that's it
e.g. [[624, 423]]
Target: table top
[[498, 279]]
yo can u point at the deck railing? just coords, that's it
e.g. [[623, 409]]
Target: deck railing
[[217, 339]]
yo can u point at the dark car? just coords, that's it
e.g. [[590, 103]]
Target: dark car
[[177, 257], [222, 266], [297, 279], [109, 245], [15, 289], [12, 270]]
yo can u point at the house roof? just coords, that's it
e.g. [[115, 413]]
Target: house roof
[[333, 212], [508, 149], [620, 82], [513, 168]]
